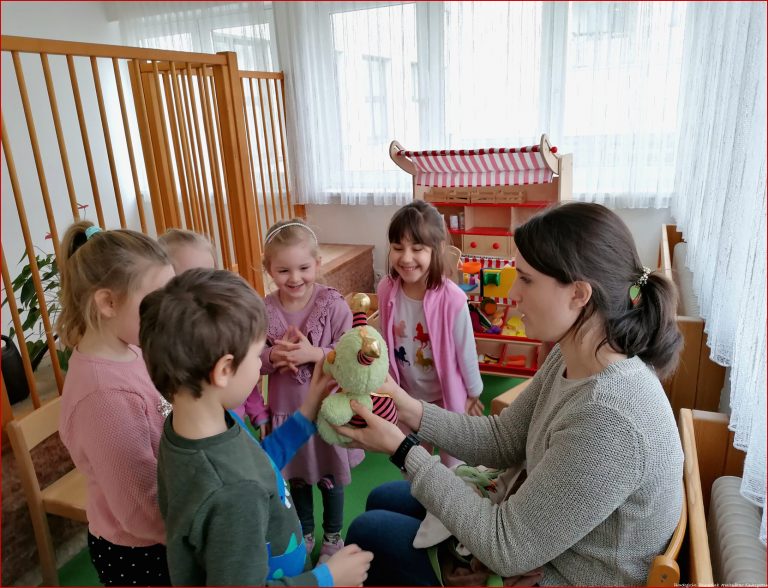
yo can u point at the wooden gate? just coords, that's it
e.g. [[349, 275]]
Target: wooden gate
[[141, 138]]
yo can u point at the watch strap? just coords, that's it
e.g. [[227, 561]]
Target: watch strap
[[398, 457]]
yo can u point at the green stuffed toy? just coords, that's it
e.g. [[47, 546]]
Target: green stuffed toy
[[359, 364]]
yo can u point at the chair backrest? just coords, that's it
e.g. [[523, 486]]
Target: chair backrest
[[65, 497], [664, 570], [29, 431]]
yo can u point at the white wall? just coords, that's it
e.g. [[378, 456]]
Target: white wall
[[66, 21], [335, 223]]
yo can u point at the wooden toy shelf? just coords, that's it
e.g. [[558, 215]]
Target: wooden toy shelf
[[484, 195]]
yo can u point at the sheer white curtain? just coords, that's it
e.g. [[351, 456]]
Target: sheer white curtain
[[720, 206], [244, 27], [601, 78]]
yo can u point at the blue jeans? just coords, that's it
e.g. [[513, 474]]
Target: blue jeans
[[387, 528]]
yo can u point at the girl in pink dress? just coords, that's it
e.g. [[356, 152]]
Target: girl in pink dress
[[306, 319]]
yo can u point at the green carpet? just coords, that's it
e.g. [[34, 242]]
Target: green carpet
[[374, 470]]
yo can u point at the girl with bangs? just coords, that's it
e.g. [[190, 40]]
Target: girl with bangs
[[425, 319]]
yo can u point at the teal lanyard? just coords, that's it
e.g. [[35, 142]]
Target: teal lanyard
[[281, 485]]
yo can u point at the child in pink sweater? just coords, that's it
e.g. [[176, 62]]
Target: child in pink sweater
[[111, 414]]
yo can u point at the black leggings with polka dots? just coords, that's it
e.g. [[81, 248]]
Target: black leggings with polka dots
[[118, 565]]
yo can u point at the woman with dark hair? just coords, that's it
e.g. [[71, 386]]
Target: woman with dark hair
[[594, 429]]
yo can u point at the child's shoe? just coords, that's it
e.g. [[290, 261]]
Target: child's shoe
[[331, 544], [309, 541]]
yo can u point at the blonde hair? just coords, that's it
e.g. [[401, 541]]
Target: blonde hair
[[287, 233], [115, 260], [173, 238]]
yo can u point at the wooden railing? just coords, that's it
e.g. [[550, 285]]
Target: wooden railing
[[205, 144]]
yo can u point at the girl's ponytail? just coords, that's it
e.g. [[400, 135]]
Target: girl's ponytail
[[92, 259], [71, 323]]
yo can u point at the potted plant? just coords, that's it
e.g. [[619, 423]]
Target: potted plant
[[23, 287]]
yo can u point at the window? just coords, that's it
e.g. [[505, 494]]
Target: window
[[376, 98]]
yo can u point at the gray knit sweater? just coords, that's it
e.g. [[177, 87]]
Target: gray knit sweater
[[605, 468]]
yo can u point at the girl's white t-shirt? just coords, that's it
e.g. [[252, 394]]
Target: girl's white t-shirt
[[413, 351]]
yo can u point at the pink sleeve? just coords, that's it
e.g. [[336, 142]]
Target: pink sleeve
[[120, 451], [339, 321], [255, 408]]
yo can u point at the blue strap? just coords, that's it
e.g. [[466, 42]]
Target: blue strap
[[281, 485]]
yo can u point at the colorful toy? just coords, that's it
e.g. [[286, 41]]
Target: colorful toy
[[359, 363], [501, 284], [469, 271], [514, 327]]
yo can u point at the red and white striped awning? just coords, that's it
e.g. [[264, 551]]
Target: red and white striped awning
[[480, 167]]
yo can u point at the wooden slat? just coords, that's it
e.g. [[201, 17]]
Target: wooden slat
[[714, 444], [266, 150], [184, 138], [129, 145], [60, 136], [267, 223], [274, 146], [206, 201], [173, 122], [108, 142], [213, 157], [253, 170], [86, 141], [262, 75], [191, 137], [698, 542], [161, 116], [30, 119], [25, 359], [30, 248], [281, 117], [51, 47], [145, 136], [240, 196]]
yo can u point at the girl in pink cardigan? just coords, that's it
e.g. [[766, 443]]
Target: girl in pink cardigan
[[425, 319], [111, 414]]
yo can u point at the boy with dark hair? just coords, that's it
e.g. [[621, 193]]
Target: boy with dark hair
[[228, 514]]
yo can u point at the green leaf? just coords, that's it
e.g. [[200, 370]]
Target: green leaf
[[27, 292], [11, 332], [18, 282], [32, 317], [64, 358], [34, 346]]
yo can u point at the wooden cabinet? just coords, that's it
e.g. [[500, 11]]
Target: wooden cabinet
[[483, 195]]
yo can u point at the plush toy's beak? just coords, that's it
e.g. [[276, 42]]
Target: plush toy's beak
[[330, 357]]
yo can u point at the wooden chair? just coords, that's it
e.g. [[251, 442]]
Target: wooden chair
[[452, 256], [664, 570], [66, 497]]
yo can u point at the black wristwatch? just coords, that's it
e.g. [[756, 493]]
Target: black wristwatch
[[398, 457]]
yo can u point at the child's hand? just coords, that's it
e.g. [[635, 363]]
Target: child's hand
[[297, 349], [319, 388], [349, 566], [474, 407], [278, 355]]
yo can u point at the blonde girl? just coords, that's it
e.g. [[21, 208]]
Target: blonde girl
[[187, 249], [306, 319], [425, 319], [111, 414]]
